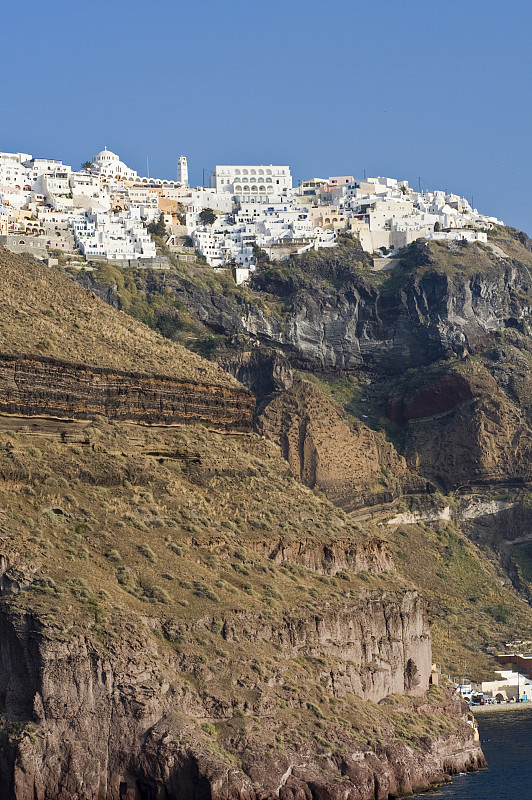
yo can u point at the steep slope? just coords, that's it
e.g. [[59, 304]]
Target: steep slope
[[434, 355], [176, 601], [179, 616], [464, 427], [64, 352], [43, 311], [354, 467]]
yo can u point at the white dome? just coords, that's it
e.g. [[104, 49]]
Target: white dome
[[106, 155]]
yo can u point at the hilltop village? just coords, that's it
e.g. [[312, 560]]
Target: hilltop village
[[105, 212]]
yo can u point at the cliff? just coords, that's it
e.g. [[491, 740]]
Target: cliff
[[180, 615], [42, 386], [330, 311], [353, 466], [470, 425], [119, 725], [65, 353]]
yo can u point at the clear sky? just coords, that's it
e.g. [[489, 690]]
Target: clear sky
[[404, 88]]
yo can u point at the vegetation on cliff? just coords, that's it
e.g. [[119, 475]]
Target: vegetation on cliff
[[174, 598], [453, 396], [44, 312], [216, 595]]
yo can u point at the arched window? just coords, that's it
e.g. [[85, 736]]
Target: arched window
[[261, 172], [238, 189], [244, 180], [268, 180], [244, 172], [254, 189], [260, 180], [268, 172], [252, 172], [237, 171]]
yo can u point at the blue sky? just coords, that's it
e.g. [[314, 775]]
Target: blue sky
[[394, 87]]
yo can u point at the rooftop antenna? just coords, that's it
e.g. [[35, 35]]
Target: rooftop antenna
[[364, 174], [419, 185], [148, 165]]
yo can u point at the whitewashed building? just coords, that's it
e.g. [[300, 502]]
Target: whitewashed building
[[112, 236], [182, 171], [252, 184], [108, 165]]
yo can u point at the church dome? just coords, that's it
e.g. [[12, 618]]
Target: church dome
[[106, 157]]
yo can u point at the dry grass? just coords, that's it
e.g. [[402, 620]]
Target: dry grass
[[44, 312], [111, 538], [186, 533], [472, 606]]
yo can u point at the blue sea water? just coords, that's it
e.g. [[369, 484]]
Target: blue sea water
[[506, 738]]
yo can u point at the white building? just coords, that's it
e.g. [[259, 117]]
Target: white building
[[231, 239], [252, 184], [386, 213], [13, 173], [182, 171], [109, 166], [112, 236], [510, 686]]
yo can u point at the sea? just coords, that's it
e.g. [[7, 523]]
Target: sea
[[506, 738]]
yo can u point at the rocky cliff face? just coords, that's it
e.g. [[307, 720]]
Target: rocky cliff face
[[179, 617], [436, 310], [263, 370], [115, 723], [354, 468], [469, 426], [431, 316], [212, 632], [371, 555], [41, 386]]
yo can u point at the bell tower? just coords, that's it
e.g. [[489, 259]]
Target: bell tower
[[182, 171]]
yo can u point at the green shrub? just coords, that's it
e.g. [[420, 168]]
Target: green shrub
[[202, 589], [148, 553]]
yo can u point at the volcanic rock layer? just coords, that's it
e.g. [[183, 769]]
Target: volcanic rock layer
[[41, 386]]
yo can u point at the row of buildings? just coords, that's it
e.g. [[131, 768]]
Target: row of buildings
[[102, 212]]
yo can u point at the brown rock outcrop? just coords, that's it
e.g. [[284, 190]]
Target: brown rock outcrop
[[372, 555], [118, 723], [36, 385], [484, 441], [380, 645], [441, 396], [263, 370], [354, 468]]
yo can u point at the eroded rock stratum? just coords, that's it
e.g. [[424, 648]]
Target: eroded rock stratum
[[179, 615]]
